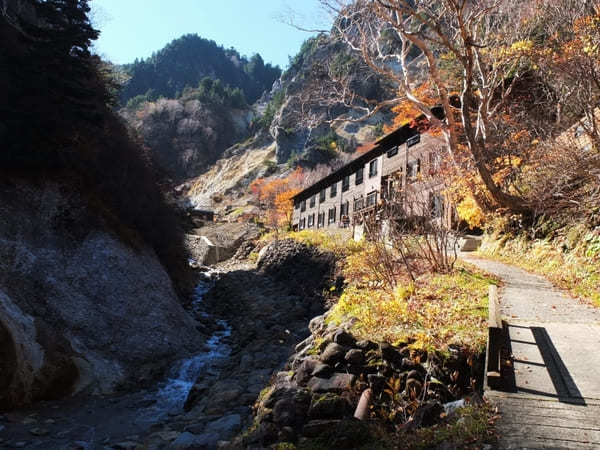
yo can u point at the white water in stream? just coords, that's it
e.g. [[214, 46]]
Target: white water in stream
[[172, 394]]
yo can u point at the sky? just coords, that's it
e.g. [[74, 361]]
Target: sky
[[136, 28]]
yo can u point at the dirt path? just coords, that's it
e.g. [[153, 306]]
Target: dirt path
[[551, 397]]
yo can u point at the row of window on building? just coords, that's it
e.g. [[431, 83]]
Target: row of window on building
[[309, 221]]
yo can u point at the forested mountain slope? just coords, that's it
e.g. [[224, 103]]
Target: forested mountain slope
[[186, 61]]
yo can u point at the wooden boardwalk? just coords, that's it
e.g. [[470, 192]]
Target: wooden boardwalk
[[548, 394]]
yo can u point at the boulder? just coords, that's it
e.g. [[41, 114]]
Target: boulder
[[355, 356], [322, 371], [333, 354], [187, 440], [338, 382], [344, 338], [225, 426], [329, 406]]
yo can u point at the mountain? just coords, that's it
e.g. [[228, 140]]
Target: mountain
[[186, 61], [295, 127]]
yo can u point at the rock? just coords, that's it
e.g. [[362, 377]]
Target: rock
[[305, 370], [409, 364], [344, 338], [414, 374], [39, 431], [390, 354], [316, 325], [355, 356], [333, 353], [225, 426], [329, 406], [286, 434], [315, 428], [451, 407], [365, 345], [285, 412], [126, 445], [190, 441], [92, 281], [337, 383], [426, 415], [322, 371]]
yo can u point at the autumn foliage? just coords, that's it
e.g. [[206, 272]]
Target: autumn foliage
[[275, 197]]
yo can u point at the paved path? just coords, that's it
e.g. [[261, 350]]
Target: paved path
[[551, 398]]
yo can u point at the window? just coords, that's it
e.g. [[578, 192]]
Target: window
[[302, 224], [333, 190], [303, 206], [358, 204], [322, 196], [331, 217], [372, 199], [311, 220], [313, 200], [346, 183], [413, 140], [344, 209], [321, 220], [359, 176], [436, 205], [373, 168], [392, 152], [296, 205], [413, 170]]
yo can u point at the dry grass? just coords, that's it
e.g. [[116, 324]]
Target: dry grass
[[432, 313]]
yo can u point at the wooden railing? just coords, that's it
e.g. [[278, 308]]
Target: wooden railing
[[495, 343]]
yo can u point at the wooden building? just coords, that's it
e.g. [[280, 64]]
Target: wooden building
[[404, 164]]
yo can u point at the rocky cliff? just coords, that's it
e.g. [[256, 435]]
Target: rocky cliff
[[79, 307]]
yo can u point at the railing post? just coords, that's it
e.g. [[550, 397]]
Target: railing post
[[495, 340]]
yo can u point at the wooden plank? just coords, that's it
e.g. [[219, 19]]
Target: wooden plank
[[550, 432], [495, 318], [495, 340]]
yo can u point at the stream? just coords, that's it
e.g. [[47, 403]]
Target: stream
[[172, 393]]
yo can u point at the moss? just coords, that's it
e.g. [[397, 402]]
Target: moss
[[469, 427]]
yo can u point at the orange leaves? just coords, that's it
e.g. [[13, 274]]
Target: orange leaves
[[407, 111], [275, 196]]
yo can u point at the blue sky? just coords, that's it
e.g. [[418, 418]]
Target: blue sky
[[135, 28]]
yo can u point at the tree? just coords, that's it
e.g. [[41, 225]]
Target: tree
[[472, 54], [275, 197]]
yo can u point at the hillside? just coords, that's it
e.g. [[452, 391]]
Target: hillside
[[296, 127], [88, 242], [186, 135]]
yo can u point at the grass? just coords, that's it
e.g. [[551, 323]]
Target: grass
[[468, 428], [570, 259], [434, 312], [437, 311]]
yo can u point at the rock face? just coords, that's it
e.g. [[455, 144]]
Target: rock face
[[78, 307], [185, 135]]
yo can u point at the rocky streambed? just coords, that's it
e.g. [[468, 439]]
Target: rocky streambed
[[252, 317], [242, 389]]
